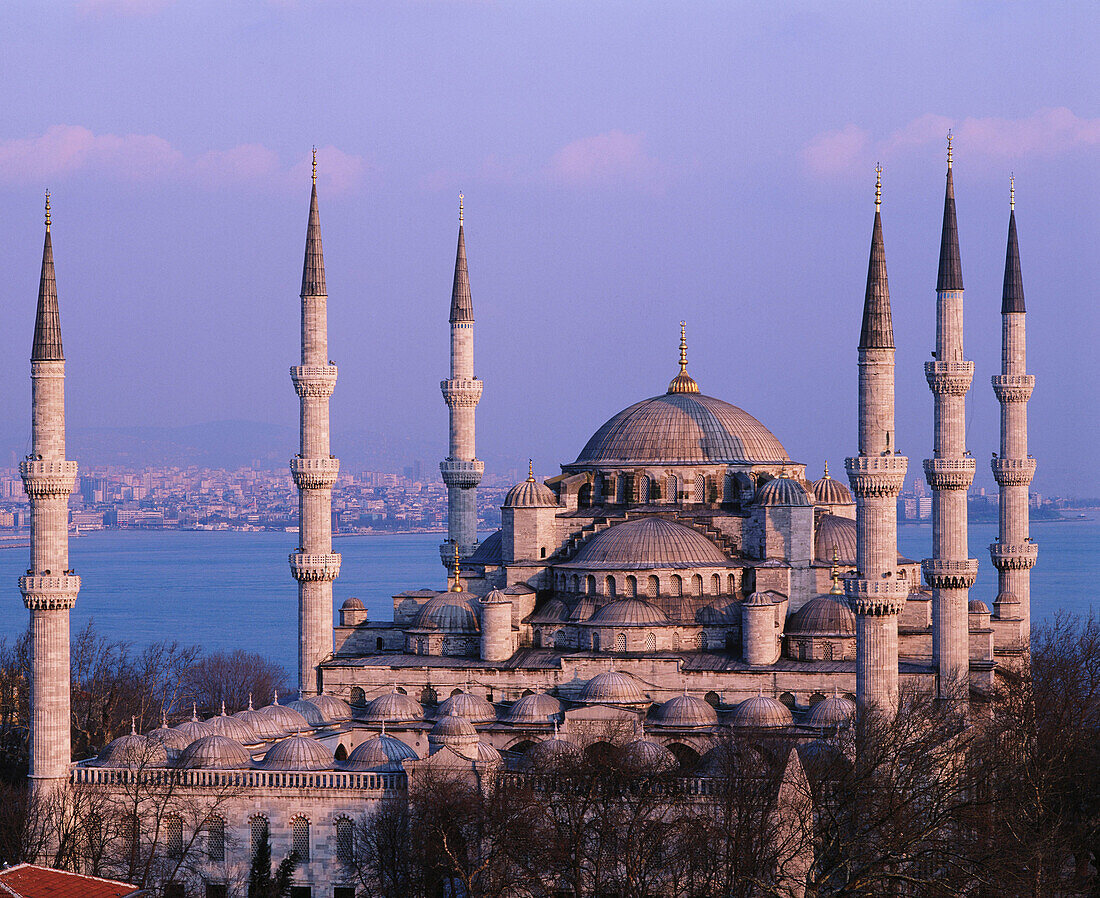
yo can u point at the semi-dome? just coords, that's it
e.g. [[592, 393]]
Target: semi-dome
[[682, 427], [822, 615], [685, 711], [835, 711], [298, 753], [537, 708], [783, 491], [629, 613], [233, 727], [761, 711], [467, 706], [835, 535], [530, 494], [828, 491], [612, 688], [309, 711], [642, 754], [379, 753], [649, 542], [393, 706], [332, 708], [451, 612], [133, 750], [286, 719], [215, 753], [454, 732]]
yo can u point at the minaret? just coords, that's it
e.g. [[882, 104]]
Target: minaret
[[461, 470], [49, 587], [1014, 553], [315, 469], [950, 572], [876, 594]]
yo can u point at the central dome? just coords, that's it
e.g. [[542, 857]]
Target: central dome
[[682, 428], [646, 543]]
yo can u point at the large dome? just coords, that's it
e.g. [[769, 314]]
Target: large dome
[[648, 543], [682, 428]]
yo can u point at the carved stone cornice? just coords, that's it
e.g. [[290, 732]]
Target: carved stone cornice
[[876, 598], [314, 567], [949, 473], [1013, 471], [880, 476], [462, 473], [314, 381], [48, 479], [49, 592], [315, 473], [1013, 387], [1020, 557], [461, 392], [942, 574], [949, 378]]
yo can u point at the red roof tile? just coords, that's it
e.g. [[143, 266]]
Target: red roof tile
[[30, 881]]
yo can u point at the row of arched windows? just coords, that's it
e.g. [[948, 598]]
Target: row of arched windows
[[627, 488], [300, 842], [627, 586]]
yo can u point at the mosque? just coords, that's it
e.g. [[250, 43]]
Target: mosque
[[681, 577]]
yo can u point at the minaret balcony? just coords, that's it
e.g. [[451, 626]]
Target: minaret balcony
[[876, 476], [461, 473], [1013, 471], [463, 392], [942, 574], [314, 381], [949, 473], [314, 473], [314, 567], [1013, 558], [50, 478], [1013, 387], [876, 598], [49, 592], [949, 378]]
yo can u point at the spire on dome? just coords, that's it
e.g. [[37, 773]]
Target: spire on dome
[[530, 470], [683, 382], [457, 585], [1012, 296], [462, 305], [313, 270], [878, 328], [47, 323], [950, 274], [836, 589]]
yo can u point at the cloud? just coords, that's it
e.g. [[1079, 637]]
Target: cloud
[[1045, 133], [607, 159], [69, 150]]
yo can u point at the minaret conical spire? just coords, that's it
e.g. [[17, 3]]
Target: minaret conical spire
[[462, 305], [47, 323], [950, 274], [878, 328], [1012, 296], [313, 270]]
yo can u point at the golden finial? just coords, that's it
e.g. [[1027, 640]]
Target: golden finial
[[1012, 192], [461, 197], [457, 585], [950, 137], [682, 382], [315, 166], [835, 576], [878, 185], [47, 211], [826, 471], [530, 470], [683, 346]]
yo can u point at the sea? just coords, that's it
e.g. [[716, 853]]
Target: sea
[[227, 590]]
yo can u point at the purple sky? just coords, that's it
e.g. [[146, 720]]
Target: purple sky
[[625, 165]]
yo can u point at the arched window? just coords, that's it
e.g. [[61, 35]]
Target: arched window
[[731, 643], [632, 586], [697, 585], [344, 841], [595, 641], [576, 583], [816, 698], [650, 642], [677, 585], [700, 489], [130, 831], [455, 692], [173, 836], [299, 835], [787, 699], [620, 642], [537, 639], [712, 699], [358, 697], [590, 585], [653, 586], [561, 640], [716, 585], [609, 585], [341, 753], [428, 696], [643, 488], [599, 488], [379, 644], [620, 490], [258, 830], [215, 838], [673, 489], [676, 641], [731, 584], [701, 642]]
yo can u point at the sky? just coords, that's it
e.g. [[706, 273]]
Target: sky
[[625, 165]]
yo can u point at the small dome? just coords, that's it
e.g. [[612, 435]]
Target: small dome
[[261, 724], [835, 711], [685, 711], [612, 688], [298, 753], [393, 706], [172, 739], [822, 615], [286, 719], [467, 706], [629, 613], [133, 750], [530, 494], [232, 727], [332, 708], [352, 604], [550, 751], [645, 543], [553, 612], [488, 551], [215, 753], [759, 598], [496, 597], [783, 491], [379, 753], [309, 711], [732, 758], [194, 729], [486, 754], [835, 534], [977, 606], [1007, 598], [642, 754], [761, 711], [452, 612], [538, 708], [454, 732], [831, 492]]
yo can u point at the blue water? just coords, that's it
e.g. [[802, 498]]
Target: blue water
[[230, 590]]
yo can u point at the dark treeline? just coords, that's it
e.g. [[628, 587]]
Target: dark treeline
[[114, 684]]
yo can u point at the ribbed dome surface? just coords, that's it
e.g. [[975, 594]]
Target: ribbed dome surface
[[648, 543], [286, 719], [835, 711], [467, 706], [835, 533], [486, 754], [454, 732], [685, 711], [977, 606], [379, 753], [828, 491], [133, 750], [309, 711], [172, 739], [495, 597], [232, 727], [550, 750], [761, 711], [298, 753], [630, 613], [682, 428], [261, 724], [822, 615], [352, 604], [332, 708], [612, 688], [783, 491], [530, 494], [394, 706], [194, 729], [451, 612], [215, 753], [538, 708], [642, 754]]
